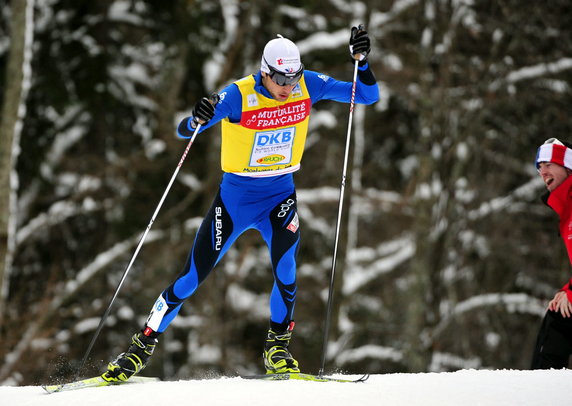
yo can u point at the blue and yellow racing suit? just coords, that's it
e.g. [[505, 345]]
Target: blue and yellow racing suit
[[262, 145]]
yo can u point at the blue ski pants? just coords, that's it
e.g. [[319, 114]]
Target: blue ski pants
[[242, 203]]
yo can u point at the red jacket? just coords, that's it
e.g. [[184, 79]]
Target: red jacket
[[560, 200]]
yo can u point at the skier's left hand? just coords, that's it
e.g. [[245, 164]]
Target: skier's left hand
[[561, 304], [360, 44]]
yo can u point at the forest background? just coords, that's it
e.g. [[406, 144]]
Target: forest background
[[447, 256]]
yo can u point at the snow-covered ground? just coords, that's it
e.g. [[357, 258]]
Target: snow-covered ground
[[461, 388]]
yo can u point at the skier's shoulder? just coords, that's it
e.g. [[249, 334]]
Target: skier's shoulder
[[317, 84], [315, 78], [230, 95]]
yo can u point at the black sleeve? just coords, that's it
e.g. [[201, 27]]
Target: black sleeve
[[366, 76], [183, 129]]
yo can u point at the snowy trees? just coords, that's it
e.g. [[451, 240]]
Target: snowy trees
[[446, 253]]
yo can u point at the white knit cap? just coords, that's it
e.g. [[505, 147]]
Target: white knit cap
[[282, 55], [554, 151]]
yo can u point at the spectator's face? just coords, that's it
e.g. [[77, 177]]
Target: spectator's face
[[552, 174]]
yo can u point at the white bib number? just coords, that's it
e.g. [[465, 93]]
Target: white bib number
[[273, 147]]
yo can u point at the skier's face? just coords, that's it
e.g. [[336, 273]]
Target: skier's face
[[552, 174], [280, 93]]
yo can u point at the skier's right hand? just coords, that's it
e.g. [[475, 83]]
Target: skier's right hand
[[203, 111]]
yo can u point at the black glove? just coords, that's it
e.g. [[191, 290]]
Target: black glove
[[204, 110], [360, 45]]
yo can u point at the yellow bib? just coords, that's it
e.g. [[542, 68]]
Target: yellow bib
[[270, 138]]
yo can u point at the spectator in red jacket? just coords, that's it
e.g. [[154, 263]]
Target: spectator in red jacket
[[554, 342]]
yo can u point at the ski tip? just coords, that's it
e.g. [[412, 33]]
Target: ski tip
[[51, 388], [94, 382], [364, 378]]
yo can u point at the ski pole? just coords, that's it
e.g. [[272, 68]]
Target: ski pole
[[338, 223], [214, 100]]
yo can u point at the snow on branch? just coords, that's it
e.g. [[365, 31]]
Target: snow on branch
[[66, 137], [370, 351], [400, 250], [441, 360], [121, 12], [56, 214], [540, 70], [500, 203], [513, 302], [103, 260]]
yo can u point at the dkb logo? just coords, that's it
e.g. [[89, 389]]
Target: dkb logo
[[274, 138]]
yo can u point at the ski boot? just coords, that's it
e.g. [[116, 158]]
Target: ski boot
[[134, 360], [277, 358]]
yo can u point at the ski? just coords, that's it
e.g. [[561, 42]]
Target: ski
[[98, 381], [94, 382], [304, 377]]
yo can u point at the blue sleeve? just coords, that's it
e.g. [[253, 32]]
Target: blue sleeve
[[323, 87], [229, 105]]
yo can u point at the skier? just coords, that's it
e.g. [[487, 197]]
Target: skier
[[264, 125], [554, 343]]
